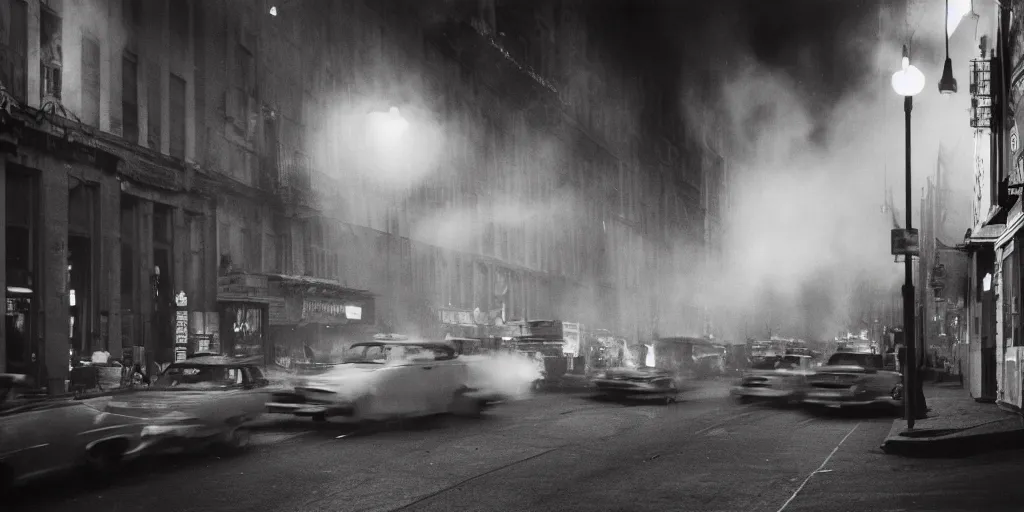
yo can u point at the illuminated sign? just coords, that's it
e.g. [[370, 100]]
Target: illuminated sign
[[332, 310], [354, 312]]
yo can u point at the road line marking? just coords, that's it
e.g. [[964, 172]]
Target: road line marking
[[819, 470], [804, 422]]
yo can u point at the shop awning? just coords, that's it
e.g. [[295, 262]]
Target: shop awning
[[315, 286], [987, 234]]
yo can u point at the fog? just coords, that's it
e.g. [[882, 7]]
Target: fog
[[813, 150], [806, 250]]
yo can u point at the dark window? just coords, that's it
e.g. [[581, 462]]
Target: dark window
[[51, 54], [132, 11], [162, 228], [179, 21], [153, 105], [177, 113], [130, 98], [14, 69]]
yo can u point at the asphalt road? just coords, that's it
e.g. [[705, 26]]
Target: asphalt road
[[566, 452]]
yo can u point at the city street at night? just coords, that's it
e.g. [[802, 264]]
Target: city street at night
[[567, 452], [511, 255]]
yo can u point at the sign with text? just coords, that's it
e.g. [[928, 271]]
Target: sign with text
[[1016, 179], [905, 242], [323, 310]]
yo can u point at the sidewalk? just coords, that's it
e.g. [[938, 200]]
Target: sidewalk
[[956, 425]]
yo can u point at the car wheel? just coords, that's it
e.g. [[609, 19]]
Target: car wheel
[[103, 460], [238, 439], [319, 417], [463, 405]]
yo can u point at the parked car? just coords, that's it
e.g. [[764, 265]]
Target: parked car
[[388, 378], [855, 379], [40, 437], [643, 382], [196, 403], [783, 379]]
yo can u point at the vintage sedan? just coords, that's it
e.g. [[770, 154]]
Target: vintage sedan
[[782, 379], [388, 378], [643, 382], [854, 379], [197, 403], [41, 437]]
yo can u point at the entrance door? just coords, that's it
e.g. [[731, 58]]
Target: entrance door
[[21, 304]]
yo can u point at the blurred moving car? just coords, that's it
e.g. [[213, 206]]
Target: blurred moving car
[[388, 378], [855, 379], [45, 436], [780, 378], [197, 403], [641, 382]]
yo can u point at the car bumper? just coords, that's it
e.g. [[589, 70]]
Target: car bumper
[[838, 399], [631, 388], [178, 439], [763, 392], [310, 409]]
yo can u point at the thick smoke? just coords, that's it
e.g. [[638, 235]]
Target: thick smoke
[[814, 143]]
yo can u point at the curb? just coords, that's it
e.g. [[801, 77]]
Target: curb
[[955, 445]]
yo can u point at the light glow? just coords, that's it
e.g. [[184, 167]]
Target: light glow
[[908, 81], [273, 11]]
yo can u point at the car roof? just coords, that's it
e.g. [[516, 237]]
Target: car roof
[[220, 361], [440, 345]]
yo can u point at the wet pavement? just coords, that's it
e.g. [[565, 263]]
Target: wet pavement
[[565, 452]]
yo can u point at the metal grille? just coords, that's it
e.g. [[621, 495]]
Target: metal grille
[[981, 93]]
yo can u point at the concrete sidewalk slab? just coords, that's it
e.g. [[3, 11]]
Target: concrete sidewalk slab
[[956, 426]]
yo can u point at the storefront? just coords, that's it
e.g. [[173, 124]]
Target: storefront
[[317, 313]]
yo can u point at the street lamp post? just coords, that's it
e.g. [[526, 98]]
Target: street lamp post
[[908, 82]]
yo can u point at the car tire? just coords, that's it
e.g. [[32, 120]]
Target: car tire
[[319, 417], [103, 460], [239, 439], [463, 405]]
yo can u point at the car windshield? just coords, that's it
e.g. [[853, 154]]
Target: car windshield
[[390, 354], [873, 361], [777, 363], [198, 377]]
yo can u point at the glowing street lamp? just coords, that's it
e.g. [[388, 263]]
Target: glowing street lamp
[[908, 82]]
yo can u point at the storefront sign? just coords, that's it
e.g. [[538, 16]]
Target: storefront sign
[[456, 317], [323, 309], [278, 312], [181, 300], [353, 312], [180, 334], [571, 335]]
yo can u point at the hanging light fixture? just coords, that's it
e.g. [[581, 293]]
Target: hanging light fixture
[[947, 84]]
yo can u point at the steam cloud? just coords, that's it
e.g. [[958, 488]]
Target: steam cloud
[[813, 147]]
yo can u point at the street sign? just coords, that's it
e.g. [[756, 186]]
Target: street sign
[[905, 242]]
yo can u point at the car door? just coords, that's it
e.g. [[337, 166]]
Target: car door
[[45, 439]]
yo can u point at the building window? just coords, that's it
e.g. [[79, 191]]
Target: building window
[[51, 53], [154, 107], [14, 72], [177, 116], [130, 98]]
